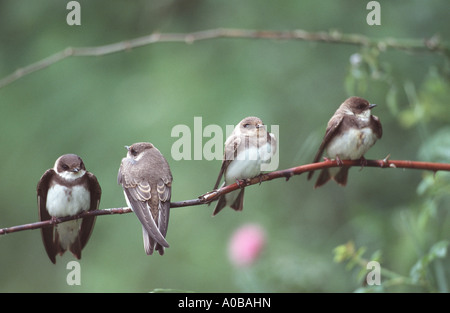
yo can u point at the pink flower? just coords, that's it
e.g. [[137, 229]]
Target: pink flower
[[246, 244]]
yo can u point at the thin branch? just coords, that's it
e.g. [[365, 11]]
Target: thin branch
[[48, 223], [433, 44], [215, 194]]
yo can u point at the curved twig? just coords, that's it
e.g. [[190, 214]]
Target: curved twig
[[433, 44]]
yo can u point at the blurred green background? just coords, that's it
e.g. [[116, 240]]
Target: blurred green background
[[93, 106]]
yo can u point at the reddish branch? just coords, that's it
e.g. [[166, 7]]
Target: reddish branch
[[215, 194]]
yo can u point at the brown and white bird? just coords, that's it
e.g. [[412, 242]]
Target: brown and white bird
[[248, 147], [350, 133], [67, 189], [147, 183]]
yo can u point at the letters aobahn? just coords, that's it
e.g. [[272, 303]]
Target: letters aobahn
[[234, 302]]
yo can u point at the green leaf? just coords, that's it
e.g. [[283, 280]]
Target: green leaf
[[439, 249], [344, 252], [419, 270]]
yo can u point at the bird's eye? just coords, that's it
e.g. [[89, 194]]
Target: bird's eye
[[246, 125], [133, 152], [65, 167]]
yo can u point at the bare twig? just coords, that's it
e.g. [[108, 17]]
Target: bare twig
[[58, 220], [433, 44], [215, 194]]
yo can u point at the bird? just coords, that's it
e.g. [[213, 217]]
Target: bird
[[350, 133], [67, 189], [248, 147], [146, 180]]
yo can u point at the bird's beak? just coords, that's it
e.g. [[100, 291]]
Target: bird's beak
[[76, 170], [372, 105], [127, 147]]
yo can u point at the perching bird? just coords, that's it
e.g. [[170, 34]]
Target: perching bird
[[147, 182], [248, 147], [350, 133], [67, 189]]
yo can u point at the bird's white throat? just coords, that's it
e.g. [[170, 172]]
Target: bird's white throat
[[70, 176]]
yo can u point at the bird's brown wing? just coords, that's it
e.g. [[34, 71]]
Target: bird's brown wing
[[164, 189], [332, 127], [230, 153], [87, 224], [375, 120], [46, 232], [138, 193]]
